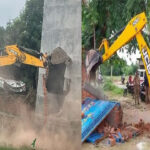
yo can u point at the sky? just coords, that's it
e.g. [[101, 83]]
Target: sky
[[130, 58], [10, 9]]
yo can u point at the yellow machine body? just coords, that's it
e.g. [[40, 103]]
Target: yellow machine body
[[16, 55], [132, 30]]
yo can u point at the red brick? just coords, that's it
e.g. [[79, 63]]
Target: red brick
[[112, 141]]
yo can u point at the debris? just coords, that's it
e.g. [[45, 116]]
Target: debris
[[111, 141], [95, 112], [82, 115], [98, 127], [95, 137], [114, 119]]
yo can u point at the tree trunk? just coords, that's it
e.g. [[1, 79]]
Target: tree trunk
[[111, 71], [84, 2], [94, 37]]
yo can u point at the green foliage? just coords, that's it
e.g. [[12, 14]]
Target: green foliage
[[32, 17], [131, 70], [12, 148], [118, 64], [89, 21], [2, 35], [7, 148], [109, 17], [109, 86], [148, 14], [118, 69], [26, 29]]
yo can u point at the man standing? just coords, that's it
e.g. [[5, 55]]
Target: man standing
[[146, 84], [136, 83], [123, 78]]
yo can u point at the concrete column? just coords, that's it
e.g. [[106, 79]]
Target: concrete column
[[62, 28]]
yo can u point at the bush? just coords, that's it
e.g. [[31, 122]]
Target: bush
[[109, 86]]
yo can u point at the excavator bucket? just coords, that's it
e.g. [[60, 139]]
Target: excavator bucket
[[54, 84], [92, 61], [57, 70]]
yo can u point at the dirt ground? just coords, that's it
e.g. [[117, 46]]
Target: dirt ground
[[140, 143], [131, 114]]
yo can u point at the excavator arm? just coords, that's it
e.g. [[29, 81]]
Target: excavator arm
[[7, 60], [15, 54], [132, 30]]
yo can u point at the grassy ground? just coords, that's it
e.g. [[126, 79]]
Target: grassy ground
[[109, 86], [116, 78], [11, 148]]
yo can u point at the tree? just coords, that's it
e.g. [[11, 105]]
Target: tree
[[99, 14], [2, 37], [90, 21], [111, 16], [30, 36], [118, 64], [32, 18]]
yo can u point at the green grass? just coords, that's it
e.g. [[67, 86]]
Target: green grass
[[109, 86], [116, 78], [11, 148]]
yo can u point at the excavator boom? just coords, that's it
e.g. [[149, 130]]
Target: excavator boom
[[135, 25], [16, 55], [132, 30]]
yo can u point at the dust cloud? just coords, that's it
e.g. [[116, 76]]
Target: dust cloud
[[22, 128]]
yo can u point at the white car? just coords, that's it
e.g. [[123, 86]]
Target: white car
[[12, 85], [141, 75]]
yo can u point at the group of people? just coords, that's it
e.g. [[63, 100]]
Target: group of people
[[136, 85]]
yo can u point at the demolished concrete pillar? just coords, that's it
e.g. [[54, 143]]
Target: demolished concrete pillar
[[62, 28]]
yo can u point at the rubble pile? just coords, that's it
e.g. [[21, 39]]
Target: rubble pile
[[103, 120], [118, 135]]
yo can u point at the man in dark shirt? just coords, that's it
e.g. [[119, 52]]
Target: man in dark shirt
[[136, 83], [146, 84]]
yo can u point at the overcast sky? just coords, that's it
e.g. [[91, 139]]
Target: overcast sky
[[10, 9], [130, 58]]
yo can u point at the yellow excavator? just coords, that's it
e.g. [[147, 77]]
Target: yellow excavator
[[132, 30], [20, 54], [14, 54], [55, 63]]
